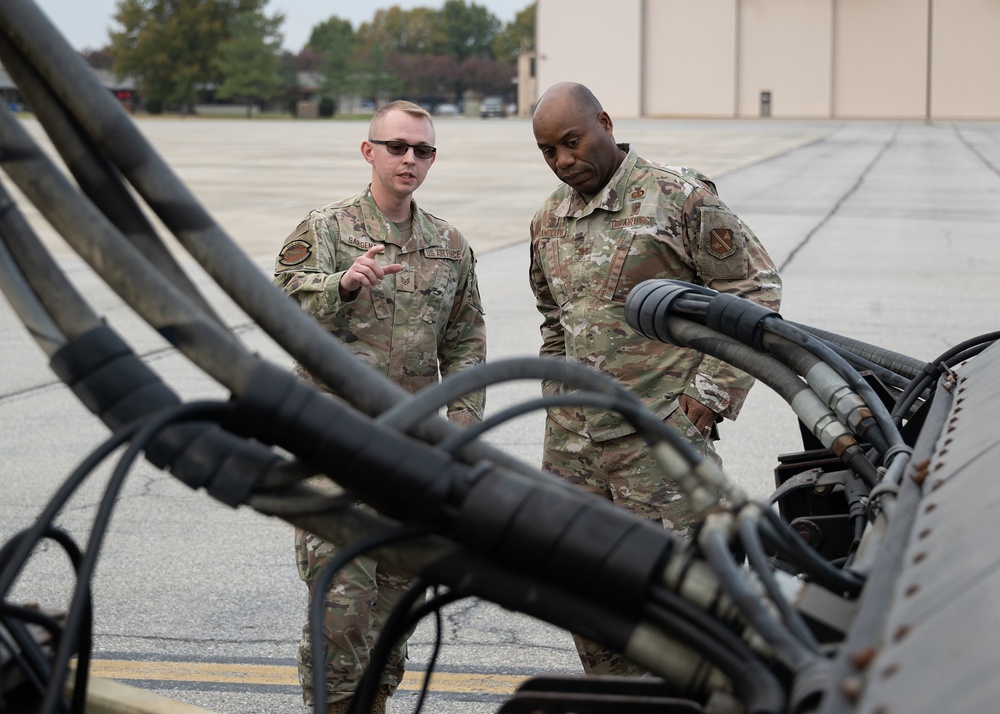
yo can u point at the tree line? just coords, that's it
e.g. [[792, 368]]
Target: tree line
[[177, 51]]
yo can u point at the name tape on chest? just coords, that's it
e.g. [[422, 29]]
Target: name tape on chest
[[446, 253], [360, 243], [633, 221]]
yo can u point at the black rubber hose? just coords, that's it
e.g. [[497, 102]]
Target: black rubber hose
[[857, 383], [317, 602], [15, 286], [829, 384], [129, 274], [105, 121], [403, 617], [759, 690], [890, 379], [80, 604], [790, 650], [901, 364], [110, 379], [609, 395], [932, 370], [777, 535], [788, 386], [98, 179], [749, 530], [653, 429], [112, 130], [420, 406]]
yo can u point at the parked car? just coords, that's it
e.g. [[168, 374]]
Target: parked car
[[446, 110], [492, 107]]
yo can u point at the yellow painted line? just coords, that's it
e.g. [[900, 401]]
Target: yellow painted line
[[460, 682]]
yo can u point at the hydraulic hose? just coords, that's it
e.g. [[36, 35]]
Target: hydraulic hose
[[406, 415], [129, 275], [854, 380], [836, 392], [15, 286], [102, 118], [901, 364], [810, 409], [713, 540], [95, 175]]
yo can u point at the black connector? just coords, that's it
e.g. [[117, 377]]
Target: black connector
[[648, 304], [116, 385], [738, 317], [562, 534]]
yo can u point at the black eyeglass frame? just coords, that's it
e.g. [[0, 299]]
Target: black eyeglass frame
[[392, 146]]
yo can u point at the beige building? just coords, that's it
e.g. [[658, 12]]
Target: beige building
[[913, 59]]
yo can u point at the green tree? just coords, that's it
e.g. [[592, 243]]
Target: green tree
[[172, 47], [405, 32], [470, 29], [334, 43], [516, 36], [374, 76], [250, 60]]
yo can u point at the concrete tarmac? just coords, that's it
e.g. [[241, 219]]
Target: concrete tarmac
[[884, 231]]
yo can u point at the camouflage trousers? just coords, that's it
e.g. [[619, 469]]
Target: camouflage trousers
[[624, 471], [356, 606]]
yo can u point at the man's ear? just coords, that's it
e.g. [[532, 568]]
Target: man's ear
[[604, 121], [368, 152]]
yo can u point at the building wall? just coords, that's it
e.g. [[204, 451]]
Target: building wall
[[527, 90], [593, 42], [881, 59], [690, 62], [965, 58], [784, 49], [915, 59]]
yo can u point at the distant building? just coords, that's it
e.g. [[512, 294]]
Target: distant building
[[871, 59], [123, 90], [527, 90]]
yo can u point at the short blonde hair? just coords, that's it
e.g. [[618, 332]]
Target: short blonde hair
[[402, 105]]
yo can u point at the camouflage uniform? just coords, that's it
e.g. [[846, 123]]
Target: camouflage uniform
[[649, 221], [425, 319]]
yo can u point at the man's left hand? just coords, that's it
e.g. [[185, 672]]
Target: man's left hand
[[699, 414]]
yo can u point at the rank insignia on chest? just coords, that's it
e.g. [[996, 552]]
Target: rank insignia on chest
[[638, 193], [295, 253], [721, 242], [406, 281]]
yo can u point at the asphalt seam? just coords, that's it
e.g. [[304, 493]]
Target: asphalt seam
[[840, 201]]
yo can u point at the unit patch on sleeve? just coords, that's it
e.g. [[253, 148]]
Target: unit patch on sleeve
[[721, 243], [294, 253]]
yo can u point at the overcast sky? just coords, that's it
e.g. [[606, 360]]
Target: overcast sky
[[85, 23]]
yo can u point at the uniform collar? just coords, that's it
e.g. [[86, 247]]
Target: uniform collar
[[610, 198], [381, 229]]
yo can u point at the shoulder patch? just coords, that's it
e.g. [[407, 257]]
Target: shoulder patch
[[721, 232], [295, 252], [721, 243]]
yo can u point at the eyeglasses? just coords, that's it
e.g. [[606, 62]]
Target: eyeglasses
[[399, 148]]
